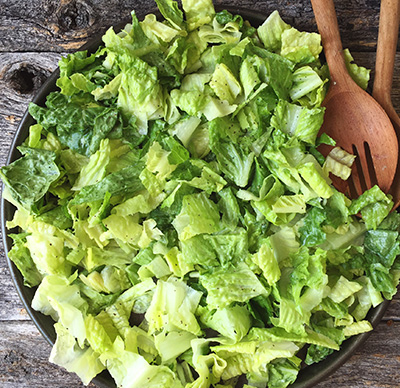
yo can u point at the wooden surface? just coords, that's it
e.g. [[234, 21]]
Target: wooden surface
[[33, 36]]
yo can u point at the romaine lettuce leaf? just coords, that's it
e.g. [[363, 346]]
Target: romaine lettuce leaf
[[271, 30], [30, 177], [173, 307], [266, 260], [129, 369], [251, 356], [360, 74], [123, 182], [198, 215], [170, 10], [198, 13], [374, 206], [59, 289], [234, 161], [79, 122], [238, 284], [19, 254], [300, 47], [82, 361], [233, 322]]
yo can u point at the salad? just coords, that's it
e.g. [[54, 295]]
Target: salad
[[175, 215]]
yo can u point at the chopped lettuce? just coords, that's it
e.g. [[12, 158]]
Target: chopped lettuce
[[176, 217], [30, 177], [271, 30], [236, 285], [82, 361]]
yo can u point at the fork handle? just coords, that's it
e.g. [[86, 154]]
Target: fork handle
[[389, 19], [325, 16]]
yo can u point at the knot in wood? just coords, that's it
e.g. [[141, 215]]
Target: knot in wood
[[26, 78], [74, 15]]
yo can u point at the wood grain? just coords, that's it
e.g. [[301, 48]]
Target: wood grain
[[33, 36], [28, 366], [21, 75]]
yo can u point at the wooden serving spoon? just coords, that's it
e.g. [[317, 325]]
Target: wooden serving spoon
[[353, 117], [389, 20]]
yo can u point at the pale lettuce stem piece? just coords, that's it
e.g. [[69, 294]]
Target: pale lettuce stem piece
[[339, 162]]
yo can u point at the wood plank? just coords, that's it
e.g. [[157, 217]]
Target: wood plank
[[24, 363], [65, 25], [11, 307], [8, 126], [21, 75], [60, 26], [393, 311]]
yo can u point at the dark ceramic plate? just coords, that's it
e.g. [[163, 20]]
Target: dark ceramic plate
[[308, 377]]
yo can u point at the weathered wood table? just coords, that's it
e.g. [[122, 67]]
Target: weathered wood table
[[33, 36]]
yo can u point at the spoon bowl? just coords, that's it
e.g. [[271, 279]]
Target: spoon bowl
[[353, 117]]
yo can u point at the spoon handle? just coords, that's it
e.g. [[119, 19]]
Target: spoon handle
[[325, 16], [389, 20]]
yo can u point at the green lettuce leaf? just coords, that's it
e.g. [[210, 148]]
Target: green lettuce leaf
[[19, 254], [300, 47], [173, 307], [79, 122], [82, 361], [198, 215], [198, 13], [271, 30], [30, 177], [170, 10], [238, 284], [374, 206]]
